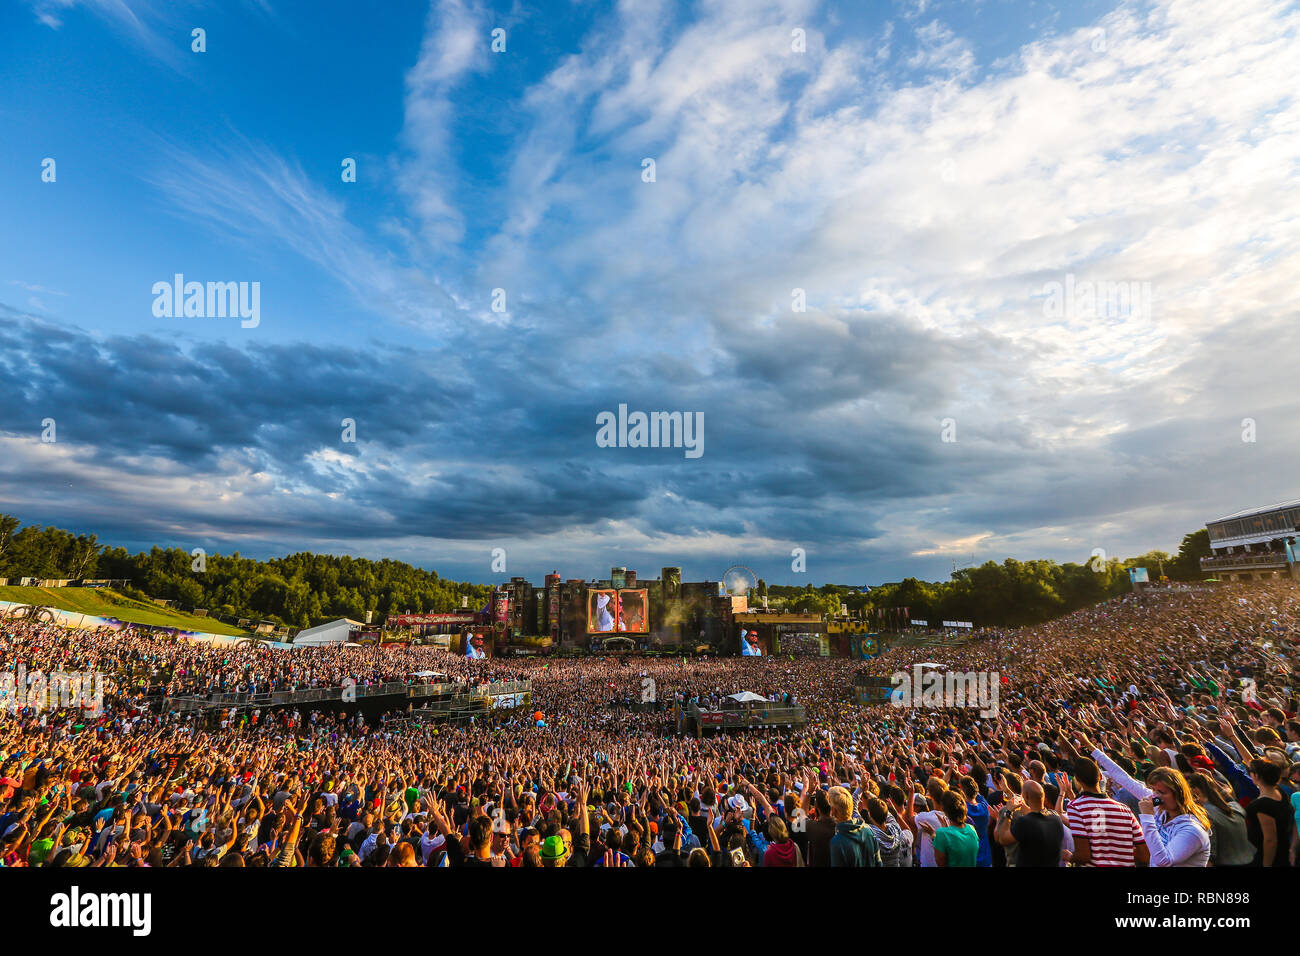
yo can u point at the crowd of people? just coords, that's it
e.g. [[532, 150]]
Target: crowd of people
[[1156, 729], [140, 664]]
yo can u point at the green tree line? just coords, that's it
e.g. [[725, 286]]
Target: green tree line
[[298, 590], [38, 552], [995, 595]]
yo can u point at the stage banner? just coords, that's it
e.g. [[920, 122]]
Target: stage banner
[[407, 620]]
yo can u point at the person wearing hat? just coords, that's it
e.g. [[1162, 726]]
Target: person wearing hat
[[554, 851], [571, 849], [71, 856]]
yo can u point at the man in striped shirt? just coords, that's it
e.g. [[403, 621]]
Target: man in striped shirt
[[1105, 831]]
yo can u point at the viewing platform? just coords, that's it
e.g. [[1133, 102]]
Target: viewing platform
[[748, 715]]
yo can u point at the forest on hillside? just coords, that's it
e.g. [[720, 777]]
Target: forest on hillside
[[298, 590], [305, 588], [991, 594]]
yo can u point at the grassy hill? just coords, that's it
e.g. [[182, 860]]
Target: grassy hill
[[102, 602]]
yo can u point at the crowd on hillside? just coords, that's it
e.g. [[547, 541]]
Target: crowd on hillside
[[139, 663], [1157, 729]]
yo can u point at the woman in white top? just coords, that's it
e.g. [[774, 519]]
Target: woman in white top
[[1178, 832], [927, 822]]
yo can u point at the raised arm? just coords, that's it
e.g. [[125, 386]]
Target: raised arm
[[1003, 832], [584, 823], [1117, 774]]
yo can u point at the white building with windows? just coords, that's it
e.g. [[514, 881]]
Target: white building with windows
[[1254, 544]]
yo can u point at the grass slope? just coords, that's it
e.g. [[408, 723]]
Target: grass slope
[[103, 602]]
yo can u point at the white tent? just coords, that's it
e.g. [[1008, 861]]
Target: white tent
[[333, 632], [746, 697]]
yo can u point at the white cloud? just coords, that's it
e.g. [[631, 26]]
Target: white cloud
[[1169, 159], [128, 19], [926, 217], [456, 44], [257, 195]]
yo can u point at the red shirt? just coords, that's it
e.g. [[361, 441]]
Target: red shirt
[[1109, 827]]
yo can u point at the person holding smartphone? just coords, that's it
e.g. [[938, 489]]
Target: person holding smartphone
[[1176, 828]]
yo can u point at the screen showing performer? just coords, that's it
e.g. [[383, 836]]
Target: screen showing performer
[[601, 610], [632, 616]]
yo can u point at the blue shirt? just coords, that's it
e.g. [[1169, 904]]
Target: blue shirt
[[977, 815]]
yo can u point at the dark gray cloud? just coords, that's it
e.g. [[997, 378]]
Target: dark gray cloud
[[152, 434]]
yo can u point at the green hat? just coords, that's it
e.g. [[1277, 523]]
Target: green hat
[[553, 848]]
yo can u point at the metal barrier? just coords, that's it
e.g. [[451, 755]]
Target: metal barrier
[[463, 706], [432, 690], [1229, 561], [494, 689], [281, 698]]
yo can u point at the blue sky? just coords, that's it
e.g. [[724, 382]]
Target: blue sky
[[926, 172]]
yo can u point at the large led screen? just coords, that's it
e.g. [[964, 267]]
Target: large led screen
[[618, 612], [633, 611], [602, 610]]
